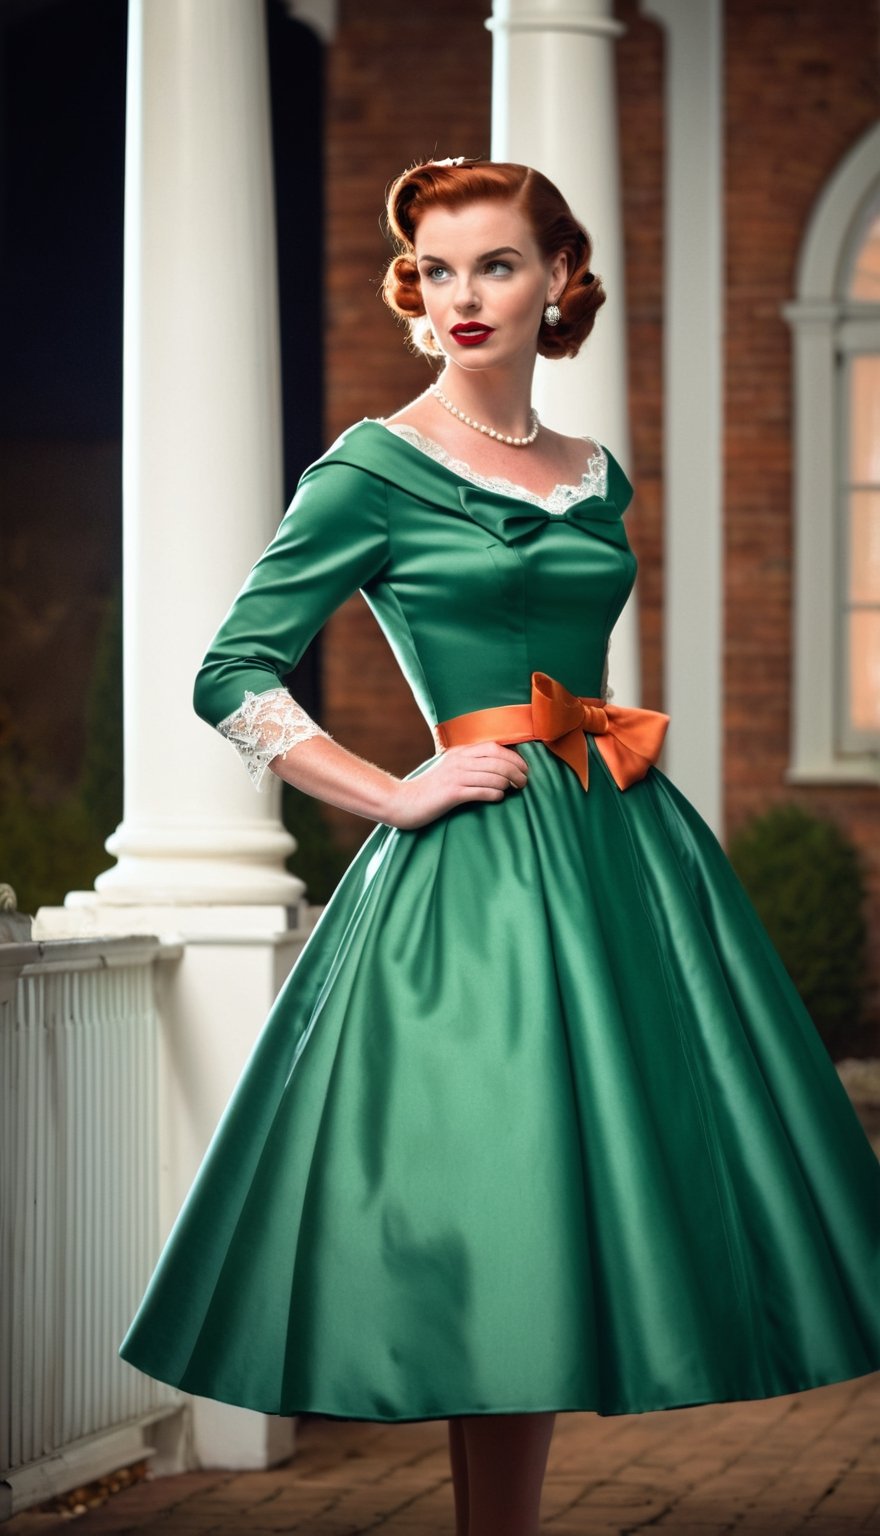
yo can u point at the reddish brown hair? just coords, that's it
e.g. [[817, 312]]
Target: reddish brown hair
[[445, 184]]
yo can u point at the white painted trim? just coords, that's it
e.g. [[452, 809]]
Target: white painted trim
[[838, 208], [817, 318], [542, 21], [693, 399], [80, 1462]]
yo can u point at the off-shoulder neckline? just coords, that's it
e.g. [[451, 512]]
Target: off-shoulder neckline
[[593, 482]]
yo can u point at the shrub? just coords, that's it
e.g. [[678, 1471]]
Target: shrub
[[318, 859], [806, 880], [52, 844]]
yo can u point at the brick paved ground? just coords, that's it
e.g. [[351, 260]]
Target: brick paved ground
[[805, 1465]]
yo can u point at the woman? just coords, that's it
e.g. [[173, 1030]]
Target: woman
[[538, 1122]]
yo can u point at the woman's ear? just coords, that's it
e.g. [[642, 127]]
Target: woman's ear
[[560, 269]]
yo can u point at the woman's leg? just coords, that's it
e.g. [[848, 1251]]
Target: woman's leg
[[506, 1461], [459, 1465]]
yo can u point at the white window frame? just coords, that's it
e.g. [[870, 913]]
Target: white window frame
[[818, 317]]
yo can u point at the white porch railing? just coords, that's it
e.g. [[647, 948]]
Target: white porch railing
[[78, 1207]]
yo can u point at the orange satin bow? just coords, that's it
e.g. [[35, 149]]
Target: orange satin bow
[[628, 739]]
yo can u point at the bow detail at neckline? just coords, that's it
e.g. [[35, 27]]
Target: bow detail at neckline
[[511, 520]]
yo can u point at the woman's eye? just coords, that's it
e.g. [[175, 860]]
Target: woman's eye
[[501, 267], [435, 274]]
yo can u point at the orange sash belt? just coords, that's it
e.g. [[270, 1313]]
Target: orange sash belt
[[628, 739]]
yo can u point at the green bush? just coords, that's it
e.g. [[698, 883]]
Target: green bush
[[52, 844], [49, 846], [100, 788], [318, 860], [807, 882], [46, 849]]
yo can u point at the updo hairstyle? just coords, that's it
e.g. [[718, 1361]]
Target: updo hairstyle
[[454, 184]]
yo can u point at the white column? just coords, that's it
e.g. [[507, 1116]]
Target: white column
[[693, 600], [202, 479], [200, 854], [554, 107]]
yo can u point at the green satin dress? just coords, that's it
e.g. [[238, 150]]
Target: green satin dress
[[538, 1120]]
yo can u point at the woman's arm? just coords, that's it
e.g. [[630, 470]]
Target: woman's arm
[[333, 540], [322, 767], [486, 770]]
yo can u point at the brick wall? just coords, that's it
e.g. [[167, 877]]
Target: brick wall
[[801, 87]]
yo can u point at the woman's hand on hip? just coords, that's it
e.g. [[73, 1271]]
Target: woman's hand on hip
[[483, 771]]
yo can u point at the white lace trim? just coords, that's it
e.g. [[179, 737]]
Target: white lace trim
[[594, 481], [265, 726]]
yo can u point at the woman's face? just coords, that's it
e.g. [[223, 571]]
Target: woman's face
[[484, 282]]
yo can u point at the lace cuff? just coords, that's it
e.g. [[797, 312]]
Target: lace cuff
[[265, 726]]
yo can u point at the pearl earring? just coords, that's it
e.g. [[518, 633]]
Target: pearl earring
[[552, 314]]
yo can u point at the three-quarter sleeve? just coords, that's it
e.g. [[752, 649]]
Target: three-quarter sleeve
[[332, 541]]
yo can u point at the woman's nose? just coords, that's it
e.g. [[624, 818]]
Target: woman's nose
[[466, 298]]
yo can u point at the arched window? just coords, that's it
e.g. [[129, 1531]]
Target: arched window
[[836, 324]]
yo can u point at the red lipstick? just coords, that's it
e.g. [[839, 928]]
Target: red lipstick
[[472, 335]]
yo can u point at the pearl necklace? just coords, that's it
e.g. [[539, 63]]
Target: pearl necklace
[[478, 426]]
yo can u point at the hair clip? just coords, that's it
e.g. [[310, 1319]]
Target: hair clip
[[459, 160], [589, 277]]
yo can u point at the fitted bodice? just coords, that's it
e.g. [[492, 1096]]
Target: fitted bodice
[[475, 586], [483, 586]]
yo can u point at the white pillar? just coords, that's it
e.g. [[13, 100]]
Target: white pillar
[[200, 855], [202, 479], [554, 107], [693, 599]]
